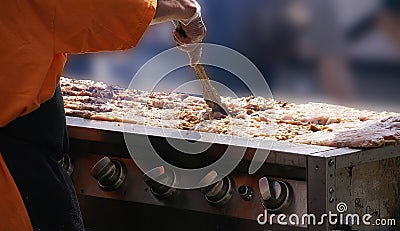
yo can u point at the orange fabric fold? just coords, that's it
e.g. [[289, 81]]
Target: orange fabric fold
[[13, 215]]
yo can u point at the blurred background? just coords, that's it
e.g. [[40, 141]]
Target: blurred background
[[334, 51]]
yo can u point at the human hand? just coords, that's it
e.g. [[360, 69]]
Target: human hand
[[191, 30], [188, 35], [189, 26]]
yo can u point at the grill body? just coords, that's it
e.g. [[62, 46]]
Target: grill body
[[367, 181]]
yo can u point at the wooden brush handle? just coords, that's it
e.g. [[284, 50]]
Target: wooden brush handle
[[209, 92]]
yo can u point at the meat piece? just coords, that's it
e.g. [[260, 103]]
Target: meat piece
[[253, 107], [157, 103], [79, 113], [240, 116], [311, 123], [320, 120], [103, 118], [333, 120], [374, 135], [314, 128], [287, 117]]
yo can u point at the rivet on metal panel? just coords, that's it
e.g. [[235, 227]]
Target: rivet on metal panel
[[331, 162], [357, 203], [331, 190], [331, 200]]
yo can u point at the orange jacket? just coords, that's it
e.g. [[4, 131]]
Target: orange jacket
[[36, 34], [34, 37], [13, 215]]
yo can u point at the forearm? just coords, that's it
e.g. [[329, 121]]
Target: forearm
[[169, 10]]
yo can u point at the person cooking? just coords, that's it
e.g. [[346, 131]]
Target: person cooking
[[37, 193]]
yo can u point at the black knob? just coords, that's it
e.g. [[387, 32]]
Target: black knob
[[160, 180], [110, 174], [218, 193], [276, 195], [246, 192]]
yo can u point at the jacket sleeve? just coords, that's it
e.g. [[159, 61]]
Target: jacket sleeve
[[32, 48], [100, 25]]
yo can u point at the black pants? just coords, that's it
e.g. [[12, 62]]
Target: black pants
[[31, 146]]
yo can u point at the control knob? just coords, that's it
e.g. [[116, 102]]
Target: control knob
[[160, 180], [110, 174], [276, 194], [218, 193]]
